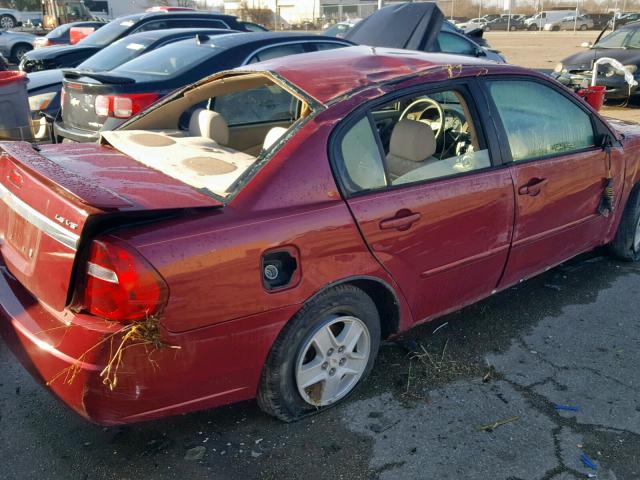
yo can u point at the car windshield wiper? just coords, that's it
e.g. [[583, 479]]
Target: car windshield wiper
[[101, 77]]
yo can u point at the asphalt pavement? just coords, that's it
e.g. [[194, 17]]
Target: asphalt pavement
[[524, 385]]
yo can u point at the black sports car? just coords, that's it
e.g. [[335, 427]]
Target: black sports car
[[69, 56], [93, 102], [44, 87]]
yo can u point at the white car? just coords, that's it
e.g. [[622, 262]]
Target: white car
[[473, 23], [9, 18], [569, 23]]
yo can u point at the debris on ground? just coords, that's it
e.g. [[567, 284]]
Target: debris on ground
[[195, 454], [568, 408], [587, 462], [492, 426], [441, 326]]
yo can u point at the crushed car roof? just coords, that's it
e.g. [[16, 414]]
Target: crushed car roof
[[330, 74]]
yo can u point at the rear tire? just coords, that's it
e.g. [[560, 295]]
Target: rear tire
[[487, 28], [326, 321], [512, 28], [626, 243], [583, 27], [533, 27], [7, 22]]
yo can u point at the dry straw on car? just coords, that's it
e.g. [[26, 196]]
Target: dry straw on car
[[145, 334]]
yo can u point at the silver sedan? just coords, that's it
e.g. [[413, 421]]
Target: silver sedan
[[14, 45]]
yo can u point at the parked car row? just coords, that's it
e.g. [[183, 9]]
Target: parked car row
[[256, 232], [551, 20]]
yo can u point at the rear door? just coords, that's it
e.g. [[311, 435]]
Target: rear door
[[558, 170], [438, 216]]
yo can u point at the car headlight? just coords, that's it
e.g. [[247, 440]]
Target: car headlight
[[631, 68], [558, 68], [41, 102]]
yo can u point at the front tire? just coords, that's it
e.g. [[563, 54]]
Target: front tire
[[18, 51], [583, 27], [321, 355], [7, 22], [626, 243]]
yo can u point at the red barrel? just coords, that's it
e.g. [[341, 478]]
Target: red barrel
[[8, 77], [594, 96]]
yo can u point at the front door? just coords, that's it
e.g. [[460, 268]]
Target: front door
[[559, 174], [432, 208]]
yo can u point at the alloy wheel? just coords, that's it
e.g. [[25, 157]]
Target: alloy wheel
[[6, 22], [332, 360]]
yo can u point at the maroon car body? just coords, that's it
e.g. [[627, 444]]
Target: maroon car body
[[418, 250]]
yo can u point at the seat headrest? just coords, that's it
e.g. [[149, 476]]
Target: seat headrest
[[273, 136], [412, 140], [209, 124]]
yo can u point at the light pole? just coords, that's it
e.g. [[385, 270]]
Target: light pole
[[380, 4]]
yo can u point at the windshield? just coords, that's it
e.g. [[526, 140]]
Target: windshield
[[58, 31], [116, 54], [109, 33], [167, 61], [613, 40]]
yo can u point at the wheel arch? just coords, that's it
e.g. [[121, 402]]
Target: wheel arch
[[17, 45], [383, 296]]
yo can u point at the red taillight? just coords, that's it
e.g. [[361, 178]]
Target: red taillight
[[123, 106], [120, 284], [102, 106]]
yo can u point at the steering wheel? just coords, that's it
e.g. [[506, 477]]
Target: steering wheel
[[436, 125]]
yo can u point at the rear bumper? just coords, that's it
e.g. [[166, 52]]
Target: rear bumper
[[209, 367], [81, 136]]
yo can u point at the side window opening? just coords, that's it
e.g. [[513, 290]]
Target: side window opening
[[362, 164], [452, 43], [277, 51], [547, 124], [417, 138]]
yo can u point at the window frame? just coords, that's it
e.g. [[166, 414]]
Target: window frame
[[467, 87], [599, 128], [306, 44]]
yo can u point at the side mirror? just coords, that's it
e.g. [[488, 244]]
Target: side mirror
[[480, 52]]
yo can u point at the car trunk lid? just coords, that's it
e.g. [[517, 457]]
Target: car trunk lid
[[50, 199]]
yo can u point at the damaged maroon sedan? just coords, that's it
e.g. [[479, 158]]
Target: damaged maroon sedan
[[259, 232]]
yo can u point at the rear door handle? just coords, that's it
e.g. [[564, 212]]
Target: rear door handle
[[532, 187], [402, 220]]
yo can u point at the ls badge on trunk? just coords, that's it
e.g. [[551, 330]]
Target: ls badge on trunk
[[64, 221]]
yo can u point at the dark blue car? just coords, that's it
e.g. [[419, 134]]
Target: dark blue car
[[69, 56], [44, 87]]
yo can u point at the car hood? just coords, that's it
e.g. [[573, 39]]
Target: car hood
[[46, 78], [583, 60], [412, 26], [55, 52], [6, 37]]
